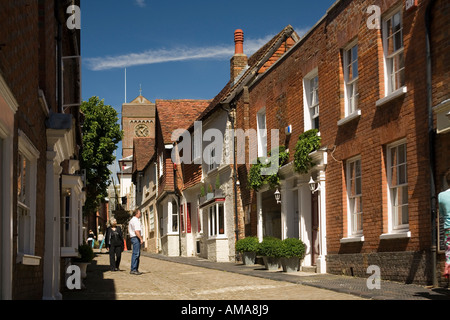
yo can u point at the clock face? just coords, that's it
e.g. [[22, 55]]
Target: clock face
[[141, 130]]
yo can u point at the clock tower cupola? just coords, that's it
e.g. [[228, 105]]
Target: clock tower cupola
[[138, 121]]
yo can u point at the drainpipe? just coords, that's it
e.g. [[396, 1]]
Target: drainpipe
[[59, 57], [231, 118], [431, 138]]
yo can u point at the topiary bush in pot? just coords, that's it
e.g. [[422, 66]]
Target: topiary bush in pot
[[248, 247], [291, 252], [86, 253], [270, 249]]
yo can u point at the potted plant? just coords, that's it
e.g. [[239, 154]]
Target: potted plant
[[248, 248], [269, 249], [86, 255], [292, 251], [210, 193]]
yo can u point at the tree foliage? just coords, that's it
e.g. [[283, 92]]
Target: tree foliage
[[101, 135]]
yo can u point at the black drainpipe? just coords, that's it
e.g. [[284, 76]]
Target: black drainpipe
[[431, 138], [59, 57]]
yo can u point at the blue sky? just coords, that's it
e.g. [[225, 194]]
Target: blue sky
[[176, 49]]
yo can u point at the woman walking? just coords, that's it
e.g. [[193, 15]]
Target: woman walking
[[114, 243]]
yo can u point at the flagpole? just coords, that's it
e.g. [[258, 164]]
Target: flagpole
[[125, 85]]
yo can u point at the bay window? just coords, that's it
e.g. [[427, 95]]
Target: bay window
[[216, 219]]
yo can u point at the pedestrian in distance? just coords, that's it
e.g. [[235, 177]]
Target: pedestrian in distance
[[444, 212], [114, 243], [91, 238], [134, 230]]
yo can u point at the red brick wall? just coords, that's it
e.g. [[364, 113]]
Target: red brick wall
[[19, 58], [281, 92], [28, 63]]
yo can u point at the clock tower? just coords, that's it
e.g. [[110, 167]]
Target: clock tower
[[138, 121]]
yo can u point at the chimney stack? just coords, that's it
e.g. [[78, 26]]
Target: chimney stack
[[239, 60]]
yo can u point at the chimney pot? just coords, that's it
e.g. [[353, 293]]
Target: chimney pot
[[239, 41]]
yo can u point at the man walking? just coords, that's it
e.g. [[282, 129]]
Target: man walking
[[134, 230]]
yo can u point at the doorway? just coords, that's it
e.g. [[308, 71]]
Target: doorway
[[271, 215]]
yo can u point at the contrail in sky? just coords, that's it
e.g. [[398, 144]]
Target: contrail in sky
[[174, 54]]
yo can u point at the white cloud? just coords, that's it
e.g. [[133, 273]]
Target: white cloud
[[174, 54], [302, 31], [140, 3]]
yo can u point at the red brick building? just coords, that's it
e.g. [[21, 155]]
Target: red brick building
[[364, 88], [41, 184]]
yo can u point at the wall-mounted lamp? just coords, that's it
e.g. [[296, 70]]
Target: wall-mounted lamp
[[278, 196], [313, 186]]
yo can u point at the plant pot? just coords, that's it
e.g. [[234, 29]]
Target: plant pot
[[249, 258], [83, 268], [271, 263], [290, 264]]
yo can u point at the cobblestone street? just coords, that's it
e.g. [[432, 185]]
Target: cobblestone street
[[163, 280]]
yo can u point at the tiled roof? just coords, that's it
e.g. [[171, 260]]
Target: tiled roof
[[178, 114], [143, 151]]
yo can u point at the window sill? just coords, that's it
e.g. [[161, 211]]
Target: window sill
[[396, 235], [214, 238], [349, 118], [28, 260], [352, 239], [392, 96], [68, 252]]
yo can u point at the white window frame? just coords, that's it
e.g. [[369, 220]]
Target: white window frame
[[353, 230], [393, 207], [72, 191], [26, 229], [261, 121], [151, 219], [351, 86], [173, 214], [199, 219], [214, 220], [212, 161], [389, 58], [6, 211], [161, 165], [311, 108]]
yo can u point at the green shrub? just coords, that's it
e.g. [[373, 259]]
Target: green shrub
[[86, 252], [292, 247], [308, 142], [249, 244], [256, 180], [270, 247]]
